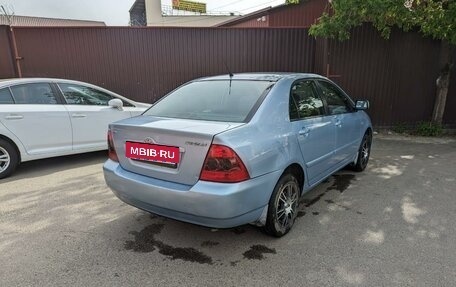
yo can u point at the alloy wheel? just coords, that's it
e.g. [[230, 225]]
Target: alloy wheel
[[5, 159], [287, 204], [365, 149]]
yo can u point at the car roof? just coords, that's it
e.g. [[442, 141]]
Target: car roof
[[273, 77], [16, 81]]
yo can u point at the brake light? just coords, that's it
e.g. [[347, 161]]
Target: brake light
[[111, 151], [222, 164]]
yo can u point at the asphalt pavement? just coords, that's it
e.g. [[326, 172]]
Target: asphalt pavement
[[392, 225]]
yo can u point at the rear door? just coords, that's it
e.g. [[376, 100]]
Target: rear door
[[314, 130], [346, 121], [90, 115], [37, 118]]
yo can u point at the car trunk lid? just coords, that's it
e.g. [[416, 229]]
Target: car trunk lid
[[192, 137]]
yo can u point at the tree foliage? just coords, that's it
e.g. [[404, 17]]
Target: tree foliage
[[434, 18]]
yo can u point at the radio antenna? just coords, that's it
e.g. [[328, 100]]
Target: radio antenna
[[228, 69], [231, 77]]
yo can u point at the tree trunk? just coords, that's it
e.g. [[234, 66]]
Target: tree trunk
[[443, 82]]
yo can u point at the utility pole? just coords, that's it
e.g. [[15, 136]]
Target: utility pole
[[8, 13]]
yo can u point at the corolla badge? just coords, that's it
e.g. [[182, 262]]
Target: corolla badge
[[149, 140], [196, 144]]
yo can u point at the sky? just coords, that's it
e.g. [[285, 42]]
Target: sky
[[115, 12]]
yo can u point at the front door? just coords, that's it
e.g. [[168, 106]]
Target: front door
[[345, 119], [90, 115]]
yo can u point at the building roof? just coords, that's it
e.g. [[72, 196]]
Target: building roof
[[302, 15], [41, 21], [252, 15]]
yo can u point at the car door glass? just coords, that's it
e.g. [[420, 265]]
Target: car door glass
[[35, 94], [304, 101], [5, 97], [336, 101], [82, 95], [293, 110]]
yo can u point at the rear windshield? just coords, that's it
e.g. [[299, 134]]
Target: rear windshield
[[217, 100]]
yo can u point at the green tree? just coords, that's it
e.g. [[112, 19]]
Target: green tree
[[433, 18]]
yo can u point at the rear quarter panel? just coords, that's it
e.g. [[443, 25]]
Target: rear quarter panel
[[266, 144]]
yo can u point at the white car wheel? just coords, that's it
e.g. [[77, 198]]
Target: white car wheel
[[9, 159]]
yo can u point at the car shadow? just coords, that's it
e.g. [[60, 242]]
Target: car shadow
[[227, 247], [43, 167]]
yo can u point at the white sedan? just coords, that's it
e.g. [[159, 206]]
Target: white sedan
[[41, 118]]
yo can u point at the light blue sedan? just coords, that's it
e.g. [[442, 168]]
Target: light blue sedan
[[229, 150]]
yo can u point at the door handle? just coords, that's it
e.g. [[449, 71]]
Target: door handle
[[337, 122], [14, 117], [304, 131], [78, 115]]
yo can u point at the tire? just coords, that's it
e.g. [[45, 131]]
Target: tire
[[363, 153], [9, 158], [283, 206]]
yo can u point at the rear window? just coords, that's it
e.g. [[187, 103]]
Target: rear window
[[36, 94], [217, 100], [5, 97]]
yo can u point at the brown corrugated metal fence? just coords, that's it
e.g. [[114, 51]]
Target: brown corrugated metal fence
[[144, 63], [450, 109], [7, 59], [397, 76]]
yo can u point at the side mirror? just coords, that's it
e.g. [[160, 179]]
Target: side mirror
[[116, 103], [362, 105]]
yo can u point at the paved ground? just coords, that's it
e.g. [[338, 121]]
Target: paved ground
[[393, 225]]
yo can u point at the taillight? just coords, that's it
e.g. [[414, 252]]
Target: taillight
[[111, 151], [222, 164]]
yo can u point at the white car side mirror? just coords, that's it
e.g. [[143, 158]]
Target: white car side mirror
[[116, 103]]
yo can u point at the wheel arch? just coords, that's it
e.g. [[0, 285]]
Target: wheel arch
[[7, 139], [297, 170]]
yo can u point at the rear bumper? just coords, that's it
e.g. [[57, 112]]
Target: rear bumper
[[217, 205]]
